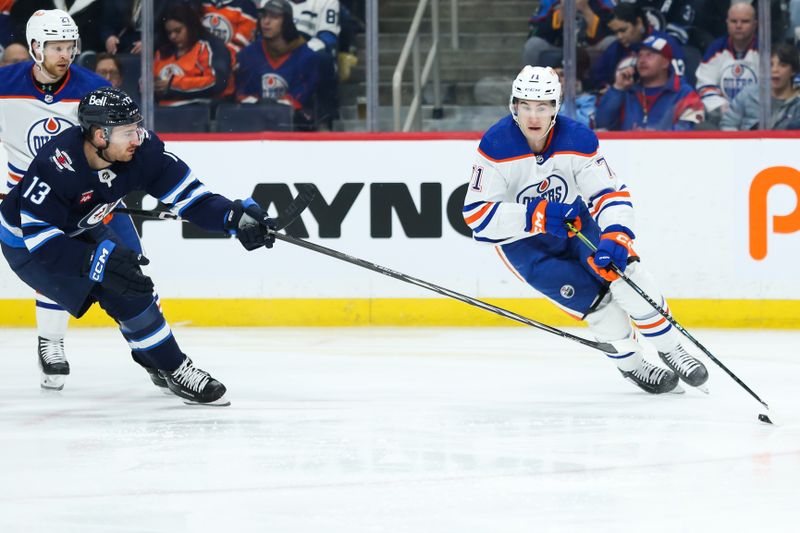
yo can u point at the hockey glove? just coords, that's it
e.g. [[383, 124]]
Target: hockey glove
[[616, 246], [117, 269], [552, 217], [251, 225]]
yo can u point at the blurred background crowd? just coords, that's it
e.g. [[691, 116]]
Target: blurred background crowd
[[255, 65]]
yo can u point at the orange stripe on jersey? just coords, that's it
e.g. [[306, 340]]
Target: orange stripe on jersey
[[475, 216], [524, 156], [507, 264], [600, 201], [576, 153]]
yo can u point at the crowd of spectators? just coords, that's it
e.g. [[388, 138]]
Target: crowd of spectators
[[673, 64], [213, 51]]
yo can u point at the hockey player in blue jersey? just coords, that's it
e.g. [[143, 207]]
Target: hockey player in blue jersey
[[38, 100], [52, 235], [531, 176]]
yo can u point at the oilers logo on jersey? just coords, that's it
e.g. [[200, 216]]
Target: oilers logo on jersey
[[43, 130], [553, 189], [735, 77], [170, 70], [219, 27], [273, 86]]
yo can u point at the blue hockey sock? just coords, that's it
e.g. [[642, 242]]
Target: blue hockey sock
[[150, 338]]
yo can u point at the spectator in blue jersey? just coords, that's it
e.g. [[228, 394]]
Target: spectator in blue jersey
[[658, 100], [630, 26], [743, 113], [279, 66], [546, 26], [7, 32]]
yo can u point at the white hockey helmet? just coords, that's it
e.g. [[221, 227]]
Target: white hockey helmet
[[536, 83], [51, 25]]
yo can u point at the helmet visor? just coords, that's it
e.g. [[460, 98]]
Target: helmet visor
[[127, 134]]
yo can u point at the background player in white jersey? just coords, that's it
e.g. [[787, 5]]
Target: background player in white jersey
[[38, 100], [530, 177]]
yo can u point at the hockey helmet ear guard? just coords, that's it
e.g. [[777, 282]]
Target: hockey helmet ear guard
[[536, 83], [48, 25]]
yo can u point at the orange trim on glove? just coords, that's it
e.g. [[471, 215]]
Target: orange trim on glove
[[538, 218]]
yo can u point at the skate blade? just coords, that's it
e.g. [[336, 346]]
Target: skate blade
[[52, 382], [703, 388], [677, 390], [223, 401]]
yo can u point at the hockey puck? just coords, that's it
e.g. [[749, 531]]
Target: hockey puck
[[764, 418]]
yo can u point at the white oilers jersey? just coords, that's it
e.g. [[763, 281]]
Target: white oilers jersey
[[29, 118], [313, 17], [507, 175], [724, 72]]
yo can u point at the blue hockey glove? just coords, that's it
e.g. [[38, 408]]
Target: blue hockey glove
[[552, 217], [251, 225], [118, 269], [616, 246]]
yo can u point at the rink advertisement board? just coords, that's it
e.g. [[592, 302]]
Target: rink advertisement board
[[718, 224]]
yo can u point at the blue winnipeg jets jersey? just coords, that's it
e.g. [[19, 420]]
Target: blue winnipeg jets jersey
[[60, 197], [507, 175], [29, 117]]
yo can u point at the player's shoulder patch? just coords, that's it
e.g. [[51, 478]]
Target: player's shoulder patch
[[504, 141], [573, 137]]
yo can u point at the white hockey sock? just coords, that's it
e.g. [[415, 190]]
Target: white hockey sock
[[51, 318], [610, 323], [650, 323]]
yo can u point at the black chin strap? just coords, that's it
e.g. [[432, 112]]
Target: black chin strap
[[99, 152]]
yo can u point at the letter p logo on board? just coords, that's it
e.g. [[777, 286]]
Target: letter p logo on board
[[759, 212]]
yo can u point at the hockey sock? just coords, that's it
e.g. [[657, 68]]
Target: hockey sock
[[150, 338], [650, 323], [610, 323], [51, 318]]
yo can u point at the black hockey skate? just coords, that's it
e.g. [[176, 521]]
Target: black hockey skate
[[155, 376], [653, 379], [688, 368], [195, 386], [53, 364]]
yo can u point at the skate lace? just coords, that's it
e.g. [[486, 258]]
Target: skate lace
[[650, 373], [52, 351], [190, 377], [682, 360]]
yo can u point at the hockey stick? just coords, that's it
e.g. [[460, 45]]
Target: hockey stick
[[296, 206], [601, 346], [632, 284]]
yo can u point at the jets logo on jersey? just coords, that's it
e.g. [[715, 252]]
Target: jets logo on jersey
[[273, 86], [735, 77], [106, 176], [219, 26], [170, 70], [43, 130], [62, 160], [96, 215], [553, 188]]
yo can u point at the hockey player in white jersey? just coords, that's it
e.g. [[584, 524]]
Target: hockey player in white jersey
[[531, 175], [38, 100]]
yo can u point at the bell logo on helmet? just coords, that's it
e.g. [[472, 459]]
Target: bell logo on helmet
[[95, 100]]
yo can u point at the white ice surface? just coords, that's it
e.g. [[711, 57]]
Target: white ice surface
[[397, 430]]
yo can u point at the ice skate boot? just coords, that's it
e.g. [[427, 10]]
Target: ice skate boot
[[688, 368], [155, 376], [652, 379], [195, 386], [53, 364]]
